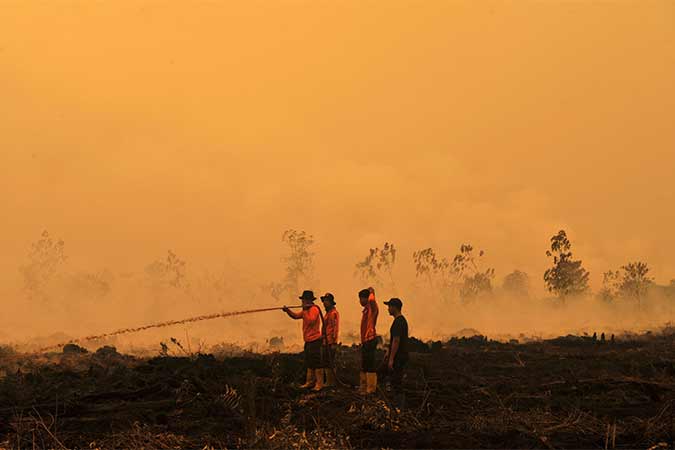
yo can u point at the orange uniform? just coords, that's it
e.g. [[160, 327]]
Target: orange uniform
[[311, 323], [332, 326], [369, 319]]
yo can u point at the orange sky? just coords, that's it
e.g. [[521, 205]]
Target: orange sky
[[208, 127]]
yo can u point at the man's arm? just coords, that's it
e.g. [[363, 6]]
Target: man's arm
[[395, 341], [333, 327], [291, 314]]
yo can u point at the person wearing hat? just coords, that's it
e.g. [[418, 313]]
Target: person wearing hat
[[311, 333], [396, 358], [331, 330], [368, 375]]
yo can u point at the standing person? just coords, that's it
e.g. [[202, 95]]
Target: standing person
[[311, 333], [331, 330], [368, 376], [397, 355]]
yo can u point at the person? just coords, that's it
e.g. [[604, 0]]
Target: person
[[368, 375], [396, 358], [311, 333], [331, 330]]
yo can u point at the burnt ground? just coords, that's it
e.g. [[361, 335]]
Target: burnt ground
[[566, 393]]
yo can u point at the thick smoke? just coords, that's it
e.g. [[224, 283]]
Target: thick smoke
[[443, 297], [210, 129]]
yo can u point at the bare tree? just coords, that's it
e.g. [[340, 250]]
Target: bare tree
[[45, 259], [377, 268], [463, 276], [475, 281], [427, 265], [610, 286], [170, 271], [299, 264]]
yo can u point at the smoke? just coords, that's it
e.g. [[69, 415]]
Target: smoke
[[73, 304], [210, 129]]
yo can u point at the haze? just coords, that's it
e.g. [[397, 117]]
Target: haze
[[209, 128]]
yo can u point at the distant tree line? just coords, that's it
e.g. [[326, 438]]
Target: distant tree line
[[465, 277]]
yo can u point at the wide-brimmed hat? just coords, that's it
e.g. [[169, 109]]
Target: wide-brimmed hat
[[328, 296], [307, 296], [395, 302]]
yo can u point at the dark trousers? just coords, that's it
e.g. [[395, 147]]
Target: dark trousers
[[368, 349], [395, 375], [394, 379], [313, 354], [328, 356]]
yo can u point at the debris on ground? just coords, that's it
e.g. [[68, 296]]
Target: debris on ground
[[570, 392]]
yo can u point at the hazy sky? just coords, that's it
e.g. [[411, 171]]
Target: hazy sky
[[209, 127]]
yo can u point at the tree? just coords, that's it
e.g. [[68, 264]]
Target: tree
[[213, 284], [475, 281], [670, 289], [462, 277], [635, 281], [90, 285], [610, 286], [45, 259], [476, 285], [429, 266], [567, 277], [299, 264], [630, 282], [170, 271], [377, 268], [517, 284]]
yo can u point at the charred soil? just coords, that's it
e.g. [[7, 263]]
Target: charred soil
[[468, 393]]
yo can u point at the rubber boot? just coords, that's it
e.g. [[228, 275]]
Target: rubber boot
[[371, 382], [362, 383], [310, 379], [319, 380], [330, 378], [399, 399]]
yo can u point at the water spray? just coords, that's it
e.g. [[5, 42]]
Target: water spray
[[168, 323]]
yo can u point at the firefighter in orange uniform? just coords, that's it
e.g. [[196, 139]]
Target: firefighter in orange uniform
[[331, 330], [368, 376], [311, 333]]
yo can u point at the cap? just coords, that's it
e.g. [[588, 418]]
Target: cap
[[395, 302], [328, 296]]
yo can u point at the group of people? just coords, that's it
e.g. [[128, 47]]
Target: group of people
[[321, 331]]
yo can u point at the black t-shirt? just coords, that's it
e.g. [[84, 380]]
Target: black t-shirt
[[400, 328]]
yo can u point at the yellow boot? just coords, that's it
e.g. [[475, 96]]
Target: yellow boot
[[310, 379], [319, 380], [362, 383], [330, 377], [371, 382]]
